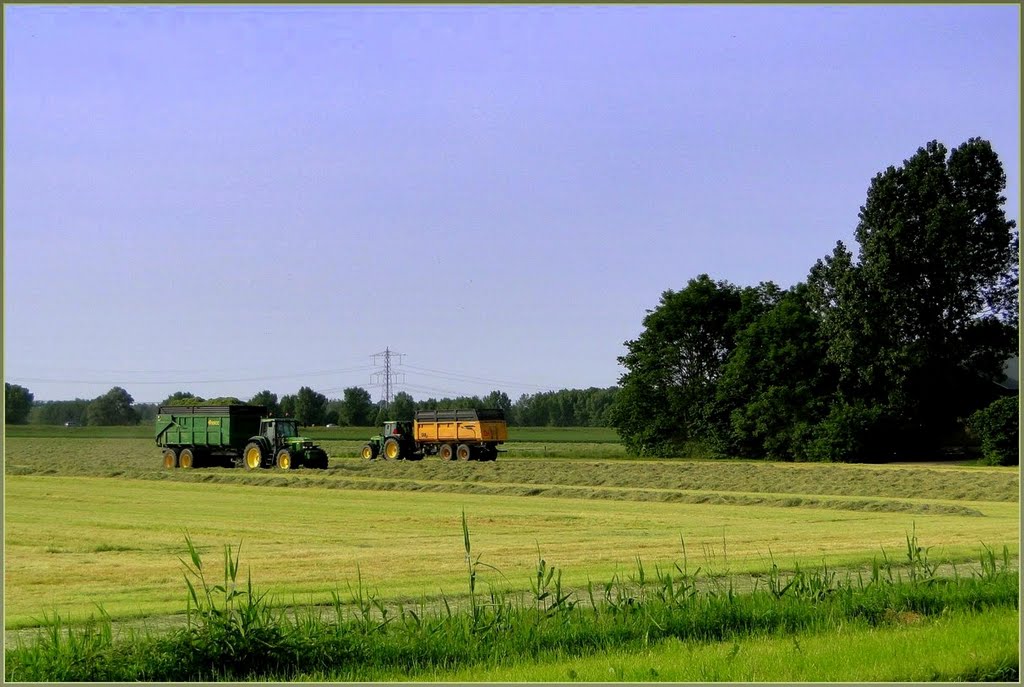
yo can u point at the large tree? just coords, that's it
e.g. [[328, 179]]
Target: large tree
[[310, 406], [357, 408], [113, 408], [17, 404], [267, 399], [929, 304], [673, 367]]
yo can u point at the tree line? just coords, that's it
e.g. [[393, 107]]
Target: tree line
[[885, 354], [565, 408]]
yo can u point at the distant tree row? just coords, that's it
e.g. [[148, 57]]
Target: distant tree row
[[565, 408], [116, 407], [880, 355]]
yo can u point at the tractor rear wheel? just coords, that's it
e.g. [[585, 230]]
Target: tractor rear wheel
[[252, 456], [170, 458], [392, 449], [284, 459], [369, 452], [186, 459], [463, 452], [446, 452]]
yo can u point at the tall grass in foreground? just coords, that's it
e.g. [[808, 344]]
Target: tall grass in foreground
[[234, 633]]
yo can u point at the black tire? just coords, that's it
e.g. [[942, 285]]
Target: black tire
[[186, 459], [252, 456], [285, 460], [446, 452], [392, 450], [368, 452], [170, 457], [463, 452]]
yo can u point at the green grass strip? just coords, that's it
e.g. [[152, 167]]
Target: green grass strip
[[235, 633], [955, 647]]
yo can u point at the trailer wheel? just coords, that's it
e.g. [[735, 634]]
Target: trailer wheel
[[186, 459], [252, 457], [369, 452], [170, 458], [446, 452], [392, 449], [284, 459], [463, 452]]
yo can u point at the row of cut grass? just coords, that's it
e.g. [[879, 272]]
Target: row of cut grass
[[140, 459]]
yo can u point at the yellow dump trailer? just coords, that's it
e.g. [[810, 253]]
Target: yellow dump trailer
[[464, 434]]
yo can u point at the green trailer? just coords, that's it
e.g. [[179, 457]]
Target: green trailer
[[232, 436]]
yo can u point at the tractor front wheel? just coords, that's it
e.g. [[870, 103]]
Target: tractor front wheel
[[463, 452], [392, 449], [446, 452], [252, 456], [186, 459], [369, 452], [284, 459], [170, 458]]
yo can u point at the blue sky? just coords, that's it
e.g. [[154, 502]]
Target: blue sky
[[229, 199]]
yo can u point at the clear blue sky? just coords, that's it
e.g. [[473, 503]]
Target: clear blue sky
[[227, 199]]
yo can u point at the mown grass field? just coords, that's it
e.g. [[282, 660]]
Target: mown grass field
[[93, 520]]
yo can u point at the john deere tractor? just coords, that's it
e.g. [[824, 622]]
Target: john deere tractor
[[279, 444], [395, 443]]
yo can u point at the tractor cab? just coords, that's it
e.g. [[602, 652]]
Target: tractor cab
[[278, 431], [397, 429]]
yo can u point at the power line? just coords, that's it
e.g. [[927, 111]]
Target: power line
[[455, 376], [191, 381]]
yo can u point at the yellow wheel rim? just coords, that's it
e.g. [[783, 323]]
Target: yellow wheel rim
[[186, 460], [391, 450], [284, 461], [367, 452], [252, 458], [168, 460]]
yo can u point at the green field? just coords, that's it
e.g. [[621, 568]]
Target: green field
[[94, 521]]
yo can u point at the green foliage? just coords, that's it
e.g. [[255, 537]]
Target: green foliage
[[17, 404], [60, 412], [113, 408], [878, 355], [930, 303], [182, 398], [774, 383], [268, 400], [310, 406], [673, 368], [998, 427], [403, 407], [357, 409]]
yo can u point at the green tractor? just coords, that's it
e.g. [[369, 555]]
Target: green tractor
[[279, 444], [395, 443]]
